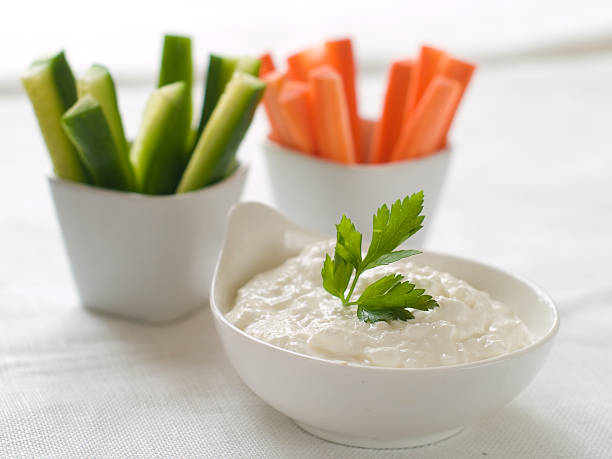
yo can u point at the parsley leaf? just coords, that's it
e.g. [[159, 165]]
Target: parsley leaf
[[348, 245], [336, 274], [366, 315], [390, 292], [392, 228], [389, 298]]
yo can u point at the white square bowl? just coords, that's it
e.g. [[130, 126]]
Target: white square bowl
[[315, 192], [144, 257]]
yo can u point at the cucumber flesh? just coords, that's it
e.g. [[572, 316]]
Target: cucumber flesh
[[98, 83], [51, 88], [220, 71], [249, 65], [90, 132], [157, 154], [222, 135]]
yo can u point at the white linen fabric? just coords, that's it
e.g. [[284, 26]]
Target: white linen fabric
[[529, 191]]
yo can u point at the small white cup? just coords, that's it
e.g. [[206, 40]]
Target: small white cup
[[144, 257], [315, 193]]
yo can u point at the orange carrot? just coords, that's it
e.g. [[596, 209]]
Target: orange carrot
[[339, 54], [333, 136], [389, 127], [428, 65], [278, 125], [295, 105], [421, 134], [267, 64], [461, 72], [366, 131], [301, 63]]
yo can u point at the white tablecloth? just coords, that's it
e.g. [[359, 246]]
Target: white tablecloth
[[529, 191]]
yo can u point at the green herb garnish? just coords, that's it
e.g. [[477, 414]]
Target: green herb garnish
[[388, 298]]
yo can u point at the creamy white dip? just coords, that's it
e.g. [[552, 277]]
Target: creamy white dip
[[288, 307]]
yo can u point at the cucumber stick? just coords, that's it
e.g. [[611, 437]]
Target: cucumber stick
[[158, 150], [223, 133], [176, 65], [51, 88], [98, 83], [220, 71], [88, 128]]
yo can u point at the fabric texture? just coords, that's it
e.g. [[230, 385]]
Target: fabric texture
[[528, 191]]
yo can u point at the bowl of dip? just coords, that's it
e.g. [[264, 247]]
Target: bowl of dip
[[315, 192], [382, 385]]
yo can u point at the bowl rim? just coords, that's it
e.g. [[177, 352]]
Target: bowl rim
[[541, 293], [240, 172], [270, 145]]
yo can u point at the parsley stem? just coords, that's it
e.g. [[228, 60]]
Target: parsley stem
[[346, 301]]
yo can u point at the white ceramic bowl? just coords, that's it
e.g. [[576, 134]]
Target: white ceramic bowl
[[144, 257], [314, 192], [370, 406]]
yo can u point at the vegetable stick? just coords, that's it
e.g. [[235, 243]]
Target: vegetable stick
[[461, 72], [91, 133], [367, 133], [280, 131], [267, 64], [294, 101], [421, 134], [98, 83], [176, 65], [428, 65], [51, 88], [156, 152], [389, 127], [334, 139], [301, 63], [340, 57], [215, 151], [220, 71]]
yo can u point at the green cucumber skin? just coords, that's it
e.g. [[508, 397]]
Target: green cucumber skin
[[99, 83], [233, 166], [158, 150], [220, 71], [87, 127], [51, 88], [216, 148]]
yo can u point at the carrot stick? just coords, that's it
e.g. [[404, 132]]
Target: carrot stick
[[267, 64], [340, 57], [389, 127], [333, 135], [428, 65], [295, 105], [278, 125], [366, 129], [301, 63], [461, 72], [421, 134]]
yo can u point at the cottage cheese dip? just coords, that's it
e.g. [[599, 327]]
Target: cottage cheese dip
[[288, 307]]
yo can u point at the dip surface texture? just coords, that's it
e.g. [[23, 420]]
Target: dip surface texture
[[288, 307]]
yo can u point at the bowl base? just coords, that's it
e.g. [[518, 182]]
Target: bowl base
[[347, 440]]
